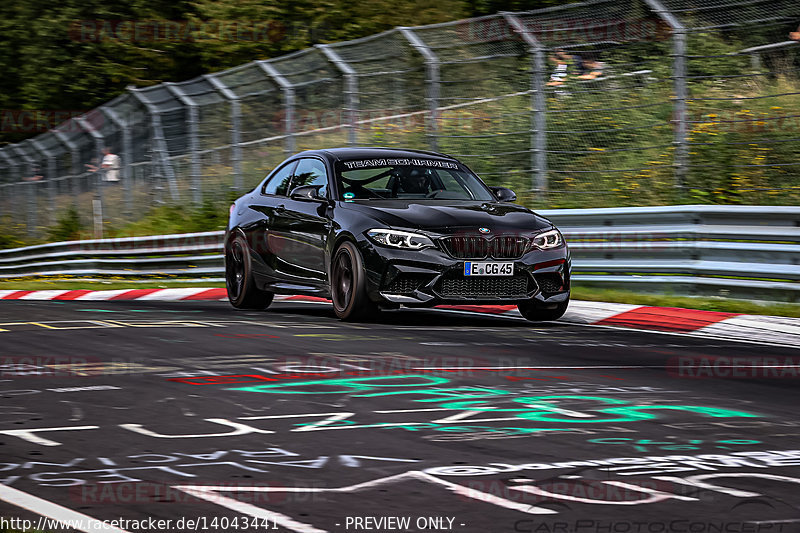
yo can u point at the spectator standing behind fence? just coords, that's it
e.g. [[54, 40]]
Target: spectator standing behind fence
[[566, 65], [562, 61], [795, 35], [592, 69], [111, 164], [92, 165], [37, 174]]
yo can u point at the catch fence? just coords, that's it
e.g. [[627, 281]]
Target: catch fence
[[594, 104]]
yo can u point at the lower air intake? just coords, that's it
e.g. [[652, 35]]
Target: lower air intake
[[480, 287], [549, 282]]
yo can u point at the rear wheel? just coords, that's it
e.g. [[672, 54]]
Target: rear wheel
[[242, 290], [538, 312], [349, 286]]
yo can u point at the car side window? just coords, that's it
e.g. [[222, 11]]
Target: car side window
[[311, 172], [452, 185], [278, 184]]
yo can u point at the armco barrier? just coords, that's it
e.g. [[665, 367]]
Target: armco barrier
[[744, 251]]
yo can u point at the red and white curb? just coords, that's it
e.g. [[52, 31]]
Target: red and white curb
[[728, 326]]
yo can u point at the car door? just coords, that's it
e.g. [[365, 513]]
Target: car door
[[302, 227], [265, 204]]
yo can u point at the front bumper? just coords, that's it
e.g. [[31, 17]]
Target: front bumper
[[430, 277]]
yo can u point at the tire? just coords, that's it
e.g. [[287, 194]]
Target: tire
[[536, 312], [349, 286], [242, 290]]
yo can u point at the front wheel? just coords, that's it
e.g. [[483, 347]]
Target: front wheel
[[349, 285], [538, 312], [242, 290]]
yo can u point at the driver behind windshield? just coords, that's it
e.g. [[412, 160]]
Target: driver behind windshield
[[412, 180], [403, 182]]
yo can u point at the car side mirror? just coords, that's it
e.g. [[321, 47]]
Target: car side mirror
[[307, 193], [503, 194]]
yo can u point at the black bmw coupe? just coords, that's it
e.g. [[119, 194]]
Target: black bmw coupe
[[375, 228]]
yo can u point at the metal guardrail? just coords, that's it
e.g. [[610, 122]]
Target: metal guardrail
[[744, 251], [184, 255]]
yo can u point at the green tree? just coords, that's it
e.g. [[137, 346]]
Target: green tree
[[70, 55], [57, 56]]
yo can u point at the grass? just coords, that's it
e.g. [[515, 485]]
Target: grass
[[68, 285], [728, 305]]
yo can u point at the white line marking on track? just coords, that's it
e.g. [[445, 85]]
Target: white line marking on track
[[415, 410], [212, 494], [30, 434], [67, 517]]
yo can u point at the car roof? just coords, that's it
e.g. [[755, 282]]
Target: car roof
[[365, 152]]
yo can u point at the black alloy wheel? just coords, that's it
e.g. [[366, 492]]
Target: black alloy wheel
[[348, 284], [242, 290]]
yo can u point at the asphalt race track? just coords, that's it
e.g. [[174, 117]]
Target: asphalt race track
[[289, 420]]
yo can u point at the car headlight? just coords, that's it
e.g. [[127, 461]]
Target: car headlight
[[406, 240], [548, 239]]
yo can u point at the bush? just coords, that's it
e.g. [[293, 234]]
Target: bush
[[68, 227]]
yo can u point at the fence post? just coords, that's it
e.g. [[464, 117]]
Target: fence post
[[194, 144], [7, 186], [432, 64], [99, 194], [288, 102], [160, 149], [127, 157], [679, 32], [236, 141], [76, 164], [538, 106], [236, 120], [351, 90], [50, 179], [31, 219]]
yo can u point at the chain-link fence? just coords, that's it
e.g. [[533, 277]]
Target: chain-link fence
[[599, 103]]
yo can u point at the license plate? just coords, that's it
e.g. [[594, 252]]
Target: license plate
[[488, 269]]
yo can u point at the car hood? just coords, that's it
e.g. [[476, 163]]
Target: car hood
[[451, 217]]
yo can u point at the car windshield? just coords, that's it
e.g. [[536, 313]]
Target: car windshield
[[407, 180]]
